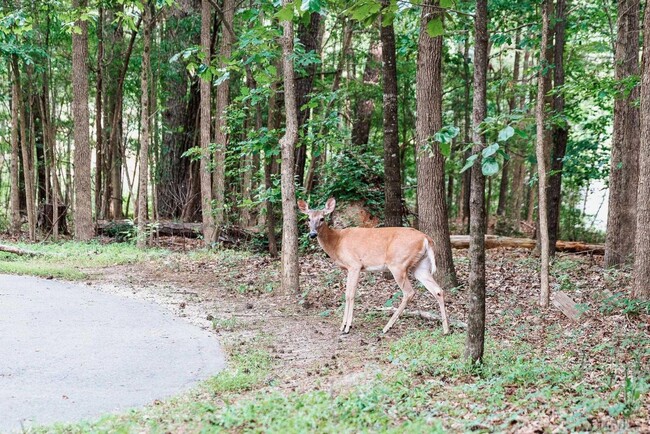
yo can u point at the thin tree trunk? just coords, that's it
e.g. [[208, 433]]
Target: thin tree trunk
[[309, 36], [392, 171], [222, 100], [99, 151], [209, 228], [621, 218], [467, 175], [474, 345], [512, 104], [115, 138], [641, 288], [144, 125], [560, 132], [290, 269], [269, 165], [365, 107], [432, 207], [15, 158], [541, 150], [28, 165]]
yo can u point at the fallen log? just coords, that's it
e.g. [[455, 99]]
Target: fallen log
[[17, 251], [126, 228], [494, 242], [566, 305], [113, 228]]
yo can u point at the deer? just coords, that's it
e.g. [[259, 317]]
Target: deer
[[396, 249]]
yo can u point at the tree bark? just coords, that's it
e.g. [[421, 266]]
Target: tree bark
[[270, 170], [99, 151], [432, 206], [467, 175], [290, 269], [366, 107], [623, 179], [392, 171], [474, 345], [15, 158], [83, 219], [541, 150], [222, 101], [641, 288], [310, 37], [209, 228], [143, 196], [560, 132], [27, 154]]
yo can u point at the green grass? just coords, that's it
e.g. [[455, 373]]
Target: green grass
[[70, 260], [424, 385]]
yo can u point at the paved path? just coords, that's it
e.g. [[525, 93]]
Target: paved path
[[69, 352]]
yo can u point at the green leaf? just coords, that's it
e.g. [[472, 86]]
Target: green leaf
[[286, 13], [311, 6], [446, 3], [445, 148], [490, 150], [435, 28], [490, 167], [470, 162], [506, 133]]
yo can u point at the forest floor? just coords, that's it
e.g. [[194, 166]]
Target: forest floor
[[290, 369]]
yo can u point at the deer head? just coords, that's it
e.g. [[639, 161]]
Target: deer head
[[316, 217]]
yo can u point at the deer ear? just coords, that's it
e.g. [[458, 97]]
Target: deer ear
[[329, 206], [303, 207]]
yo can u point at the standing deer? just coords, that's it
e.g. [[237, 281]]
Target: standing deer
[[377, 249]]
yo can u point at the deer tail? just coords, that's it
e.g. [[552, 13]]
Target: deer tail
[[429, 251]]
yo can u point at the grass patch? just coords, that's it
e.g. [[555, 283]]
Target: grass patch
[[70, 260], [424, 386]]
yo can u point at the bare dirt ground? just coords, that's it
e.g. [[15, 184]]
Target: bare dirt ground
[[241, 299]]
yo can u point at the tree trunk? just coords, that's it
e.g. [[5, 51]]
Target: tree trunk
[[209, 228], [560, 132], [641, 288], [623, 179], [28, 165], [365, 107], [541, 150], [310, 37], [99, 151], [143, 196], [463, 207], [15, 158], [83, 221], [474, 345], [432, 206], [222, 100], [290, 269], [269, 170], [392, 171], [180, 118]]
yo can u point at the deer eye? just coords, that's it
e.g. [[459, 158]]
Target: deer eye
[[322, 219]]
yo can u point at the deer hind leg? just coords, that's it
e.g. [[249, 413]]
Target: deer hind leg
[[350, 289], [401, 277], [423, 273]]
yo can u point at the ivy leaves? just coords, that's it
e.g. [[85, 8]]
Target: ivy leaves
[[493, 154]]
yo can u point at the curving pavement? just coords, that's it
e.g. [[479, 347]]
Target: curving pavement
[[69, 352]]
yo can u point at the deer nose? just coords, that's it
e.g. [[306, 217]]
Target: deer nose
[[313, 234]]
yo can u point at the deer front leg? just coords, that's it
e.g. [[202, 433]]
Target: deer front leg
[[401, 277], [350, 289]]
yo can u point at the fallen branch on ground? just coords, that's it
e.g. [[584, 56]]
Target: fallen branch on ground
[[17, 251], [424, 315], [494, 241]]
